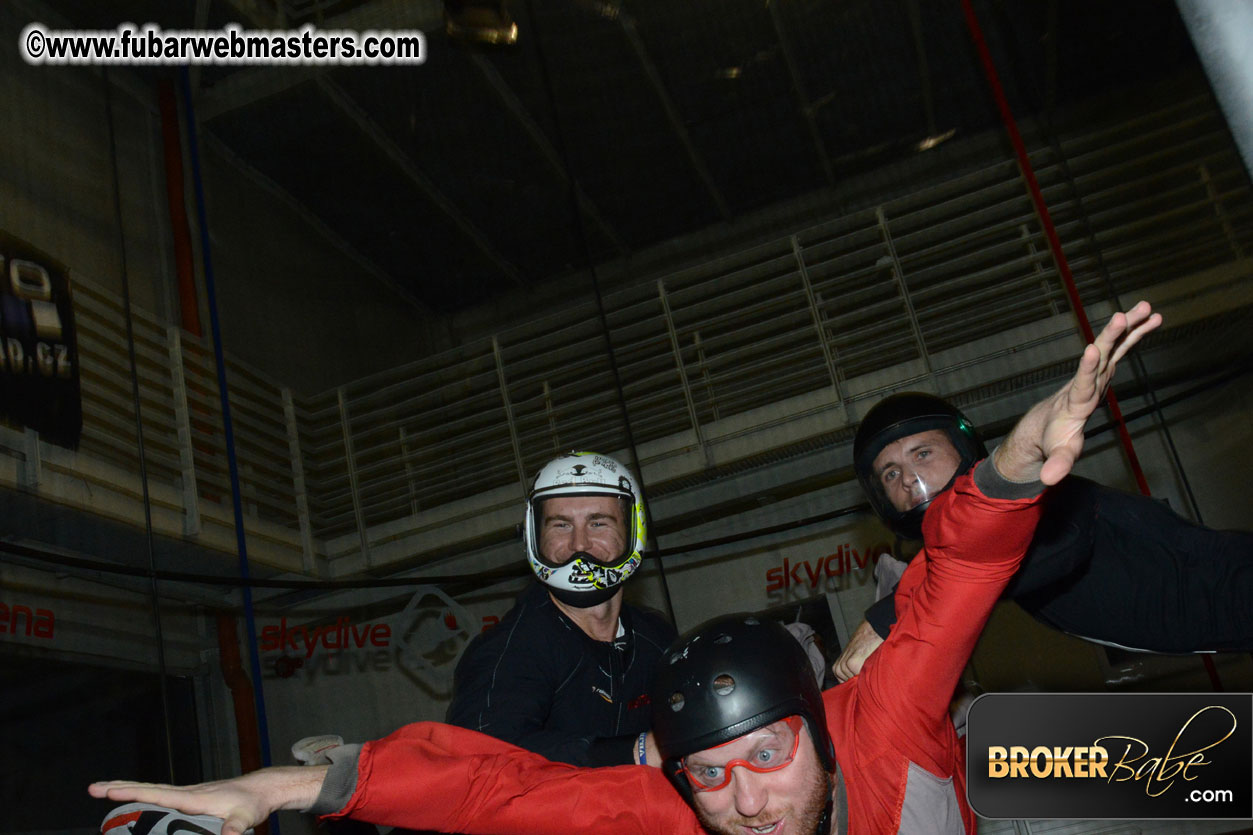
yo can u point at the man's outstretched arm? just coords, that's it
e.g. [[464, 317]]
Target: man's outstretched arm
[[431, 776]]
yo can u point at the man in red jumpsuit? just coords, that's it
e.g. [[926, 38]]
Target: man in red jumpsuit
[[747, 741]]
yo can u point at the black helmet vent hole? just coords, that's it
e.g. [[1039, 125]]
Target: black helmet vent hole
[[724, 685], [751, 621], [676, 701]]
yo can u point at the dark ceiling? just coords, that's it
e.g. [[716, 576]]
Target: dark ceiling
[[458, 179]]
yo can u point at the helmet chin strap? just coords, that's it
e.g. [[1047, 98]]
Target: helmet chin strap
[[583, 599], [824, 821]]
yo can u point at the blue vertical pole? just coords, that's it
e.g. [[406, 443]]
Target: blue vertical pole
[[227, 428]]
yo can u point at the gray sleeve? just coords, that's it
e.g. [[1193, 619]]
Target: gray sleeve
[[340, 782], [995, 486]]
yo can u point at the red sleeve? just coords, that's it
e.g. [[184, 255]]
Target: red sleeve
[[434, 776], [974, 545]]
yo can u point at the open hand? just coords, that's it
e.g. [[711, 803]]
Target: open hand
[[242, 802], [1049, 438]]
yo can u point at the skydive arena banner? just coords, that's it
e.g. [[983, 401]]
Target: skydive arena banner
[[1111, 755], [39, 385]]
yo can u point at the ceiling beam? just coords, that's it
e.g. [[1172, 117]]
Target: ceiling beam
[[1051, 37], [242, 89], [200, 20], [924, 70], [415, 175], [519, 111], [380, 14], [807, 107], [672, 113], [324, 231], [245, 88]]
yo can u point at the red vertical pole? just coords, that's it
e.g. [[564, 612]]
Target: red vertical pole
[[172, 146], [1063, 267], [1050, 232]]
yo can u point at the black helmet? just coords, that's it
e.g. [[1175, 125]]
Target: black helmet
[[726, 679], [897, 417]]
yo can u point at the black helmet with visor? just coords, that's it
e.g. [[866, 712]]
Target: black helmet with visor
[[899, 416]]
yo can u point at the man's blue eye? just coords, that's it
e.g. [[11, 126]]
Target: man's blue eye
[[765, 755]]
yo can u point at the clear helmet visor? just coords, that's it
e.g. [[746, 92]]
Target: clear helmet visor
[[914, 478], [901, 475], [595, 528]]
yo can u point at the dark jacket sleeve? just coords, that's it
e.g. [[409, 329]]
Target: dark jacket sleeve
[[1063, 542], [882, 615], [1061, 546]]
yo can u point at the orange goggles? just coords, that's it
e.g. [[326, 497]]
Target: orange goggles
[[771, 753]]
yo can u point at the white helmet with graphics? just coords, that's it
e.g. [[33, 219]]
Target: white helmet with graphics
[[585, 580]]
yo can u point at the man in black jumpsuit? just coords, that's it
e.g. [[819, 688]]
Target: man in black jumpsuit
[[565, 673], [1104, 565]]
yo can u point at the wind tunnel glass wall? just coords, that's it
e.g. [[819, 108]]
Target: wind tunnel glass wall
[[330, 320]]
